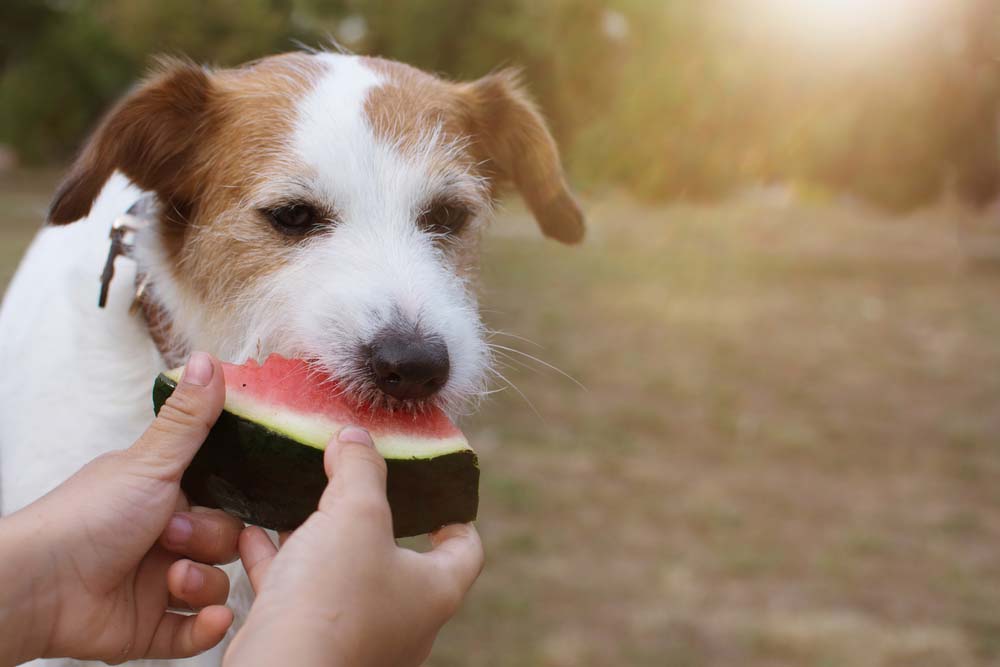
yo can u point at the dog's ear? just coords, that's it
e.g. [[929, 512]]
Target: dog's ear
[[521, 150], [149, 136]]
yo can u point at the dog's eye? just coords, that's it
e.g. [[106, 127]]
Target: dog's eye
[[444, 219], [293, 219]]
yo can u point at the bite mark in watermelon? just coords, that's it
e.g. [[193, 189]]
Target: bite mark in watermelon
[[263, 459]]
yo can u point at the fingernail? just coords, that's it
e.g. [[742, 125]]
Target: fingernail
[[199, 369], [194, 580], [178, 531], [356, 435]]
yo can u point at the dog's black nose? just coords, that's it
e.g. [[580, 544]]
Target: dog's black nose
[[409, 365]]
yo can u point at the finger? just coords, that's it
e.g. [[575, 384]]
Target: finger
[[181, 636], [170, 442], [256, 551], [197, 585], [203, 534], [459, 552], [357, 479]]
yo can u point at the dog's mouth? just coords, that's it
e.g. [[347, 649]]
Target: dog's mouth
[[400, 368], [363, 387]]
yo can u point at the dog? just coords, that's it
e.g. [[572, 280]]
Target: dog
[[319, 205]]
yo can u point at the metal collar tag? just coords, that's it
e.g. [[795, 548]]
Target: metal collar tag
[[123, 231]]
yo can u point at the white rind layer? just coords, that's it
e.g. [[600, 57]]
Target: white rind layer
[[315, 430]]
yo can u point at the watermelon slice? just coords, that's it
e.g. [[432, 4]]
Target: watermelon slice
[[263, 459]]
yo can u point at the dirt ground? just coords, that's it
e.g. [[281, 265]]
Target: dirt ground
[[785, 450]]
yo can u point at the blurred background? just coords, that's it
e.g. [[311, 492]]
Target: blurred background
[[781, 442]]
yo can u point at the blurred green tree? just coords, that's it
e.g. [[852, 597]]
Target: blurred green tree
[[64, 63], [671, 99]]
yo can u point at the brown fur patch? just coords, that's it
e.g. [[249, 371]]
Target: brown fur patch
[[220, 245], [411, 102], [521, 150], [508, 139]]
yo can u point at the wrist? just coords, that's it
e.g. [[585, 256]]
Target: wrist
[[27, 597], [277, 638]]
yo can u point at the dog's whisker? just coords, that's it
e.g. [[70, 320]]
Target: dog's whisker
[[496, 332], [520, 393], [513, 364], [489, 392], [496, 347]]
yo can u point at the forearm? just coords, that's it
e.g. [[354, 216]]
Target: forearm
[[25, 592]]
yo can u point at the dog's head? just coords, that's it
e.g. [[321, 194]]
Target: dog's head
[[327, 207]]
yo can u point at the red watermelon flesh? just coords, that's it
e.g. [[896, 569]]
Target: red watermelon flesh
[[295, 399]]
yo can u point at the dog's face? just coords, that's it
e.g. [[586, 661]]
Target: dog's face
[[327, 207]]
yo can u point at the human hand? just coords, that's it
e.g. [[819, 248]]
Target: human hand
[[340, 591], [93, 566]]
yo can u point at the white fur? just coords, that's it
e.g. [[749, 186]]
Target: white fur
[[76, 379]]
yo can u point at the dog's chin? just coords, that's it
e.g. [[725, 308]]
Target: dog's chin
[[377, 400], [368, 396]]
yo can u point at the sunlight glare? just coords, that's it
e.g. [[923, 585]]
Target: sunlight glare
[[843, 21]]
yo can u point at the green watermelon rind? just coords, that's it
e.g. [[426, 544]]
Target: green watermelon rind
[[272, 480]]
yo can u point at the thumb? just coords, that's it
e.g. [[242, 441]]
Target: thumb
[[357, 481], [459, 552], [178, 431]]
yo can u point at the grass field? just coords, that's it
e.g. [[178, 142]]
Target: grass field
[[787, 451]]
